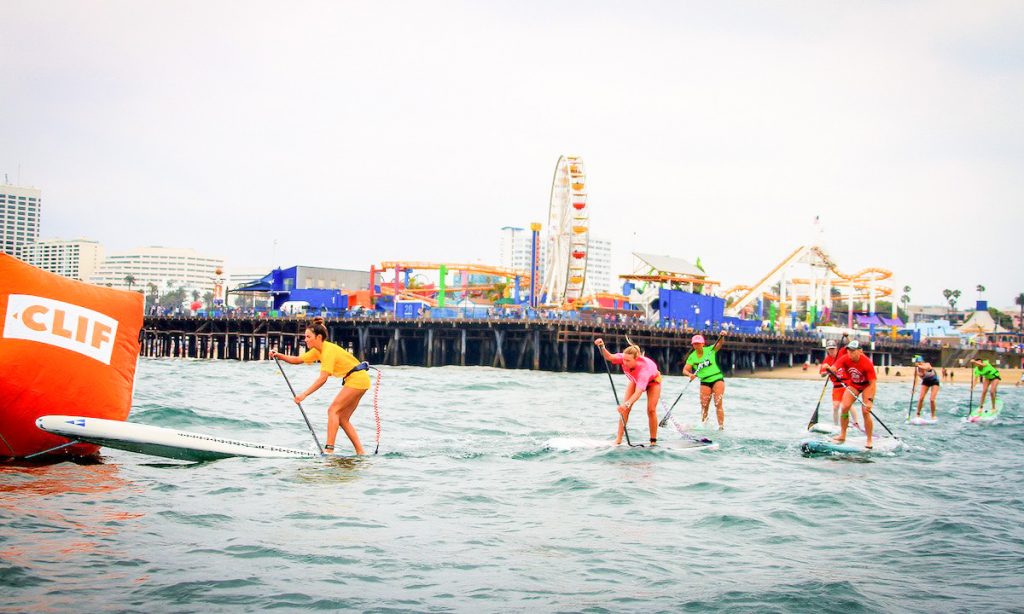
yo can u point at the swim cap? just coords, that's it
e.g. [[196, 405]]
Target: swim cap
[[697, 339], [830, 344], [917, 358], [853, 345]]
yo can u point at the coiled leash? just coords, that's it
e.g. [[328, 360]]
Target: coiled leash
[[365, 366]]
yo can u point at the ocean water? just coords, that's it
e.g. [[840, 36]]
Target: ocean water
[[476, 503]]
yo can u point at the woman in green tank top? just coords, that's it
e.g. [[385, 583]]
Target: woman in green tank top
[[703, 363], [989, 377]]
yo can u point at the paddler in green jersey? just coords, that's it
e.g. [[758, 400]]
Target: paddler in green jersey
[[989, 377], [703, 363]]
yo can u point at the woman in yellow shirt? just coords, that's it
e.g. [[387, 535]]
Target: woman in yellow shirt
[[336, 361]]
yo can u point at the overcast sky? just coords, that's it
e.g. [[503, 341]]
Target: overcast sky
[[356, 132]]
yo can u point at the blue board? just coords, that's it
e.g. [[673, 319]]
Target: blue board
[[852, 445]]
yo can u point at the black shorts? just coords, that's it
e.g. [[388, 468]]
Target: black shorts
[[930, 381], [710, 384]]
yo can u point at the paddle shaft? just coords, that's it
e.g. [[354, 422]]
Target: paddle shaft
[[304, 416], [913, 391], [668, 414], [970, 404], [856, 397], [625, 431]]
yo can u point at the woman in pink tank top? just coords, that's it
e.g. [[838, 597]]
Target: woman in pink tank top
[[643, 376]]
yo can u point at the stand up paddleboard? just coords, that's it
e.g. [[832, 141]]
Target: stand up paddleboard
[[680, 447], [825, 427], [988, 415], [922, 421], [159, 441], [834, 429], [852, 445]]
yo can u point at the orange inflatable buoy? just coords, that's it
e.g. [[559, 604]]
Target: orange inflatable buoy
[[66, 347]]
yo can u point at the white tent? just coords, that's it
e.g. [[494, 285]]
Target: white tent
[[981, 322]]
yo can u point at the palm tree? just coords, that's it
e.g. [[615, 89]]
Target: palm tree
[[130, 280], [154, 295], [952, 296], [905, 299], [980, 288]]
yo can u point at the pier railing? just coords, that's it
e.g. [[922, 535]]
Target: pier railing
[[549, 345]]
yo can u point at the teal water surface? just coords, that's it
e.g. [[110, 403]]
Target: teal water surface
[[476, 503]]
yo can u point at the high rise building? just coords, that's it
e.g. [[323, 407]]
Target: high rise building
[[515, 248], [19, 217], [75, 259], [165, 267], [599, 267]]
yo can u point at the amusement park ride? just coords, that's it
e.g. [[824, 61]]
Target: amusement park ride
[[810, 277], [560, 282], [568, 234], [805, 282]]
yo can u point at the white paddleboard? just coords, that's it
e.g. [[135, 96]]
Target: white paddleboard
[[834, 429], [922, 420], [567, 444], [825, 427], [852, 445], [159, 441]]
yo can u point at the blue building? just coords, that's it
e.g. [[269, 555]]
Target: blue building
[[322, 289]]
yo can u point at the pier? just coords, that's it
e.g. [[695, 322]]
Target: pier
[[545, 345]]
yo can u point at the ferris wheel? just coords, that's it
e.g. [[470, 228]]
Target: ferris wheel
[[568, 233]]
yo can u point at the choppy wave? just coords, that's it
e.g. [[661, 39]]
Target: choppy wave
[[499, 490]]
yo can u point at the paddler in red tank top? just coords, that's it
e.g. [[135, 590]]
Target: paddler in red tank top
[[858, 374], [833, 352]]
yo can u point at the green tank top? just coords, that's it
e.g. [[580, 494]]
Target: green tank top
[[706, 367], [987, 371]]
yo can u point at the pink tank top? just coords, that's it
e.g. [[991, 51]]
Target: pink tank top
[[645, 371]]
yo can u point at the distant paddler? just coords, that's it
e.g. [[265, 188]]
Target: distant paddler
[[989, 377], [858, 375], [643, 376], [336, 361], [703, 363], [929, 383]]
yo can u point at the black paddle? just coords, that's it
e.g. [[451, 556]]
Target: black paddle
[[856, 397], [814, 416], [913, 391], [970, 404], [615, 392], [304, 417]]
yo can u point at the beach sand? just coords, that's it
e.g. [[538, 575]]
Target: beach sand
[[897, 373]]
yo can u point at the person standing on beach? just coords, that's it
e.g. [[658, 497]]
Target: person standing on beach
[[858, 374], [989, 378], [703, 363], [929, 383], [336, 361], [643, 376]]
